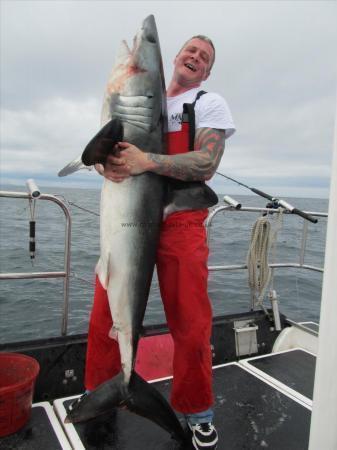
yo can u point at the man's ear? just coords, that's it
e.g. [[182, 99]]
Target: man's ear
[[206, 75]]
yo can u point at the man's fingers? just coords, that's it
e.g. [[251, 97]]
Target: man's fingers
[[123, 144], [115, 160]]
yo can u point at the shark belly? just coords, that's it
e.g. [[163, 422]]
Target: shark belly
[[129, 236]]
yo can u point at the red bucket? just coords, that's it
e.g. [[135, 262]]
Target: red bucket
[[17, 378]]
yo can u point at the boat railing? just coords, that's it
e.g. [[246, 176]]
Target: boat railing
[[237, 208], [304, 237], [65, 273]]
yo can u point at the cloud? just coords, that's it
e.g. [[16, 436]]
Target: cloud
[[47, 137], [273, 65]]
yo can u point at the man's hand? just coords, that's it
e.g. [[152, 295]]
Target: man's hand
[[135, 159], [128, 160]]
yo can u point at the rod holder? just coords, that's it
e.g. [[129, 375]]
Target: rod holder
[[275, 308], [32, 188], [230, 201]]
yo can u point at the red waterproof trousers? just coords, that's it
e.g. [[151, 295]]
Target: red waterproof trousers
[[182, 272]]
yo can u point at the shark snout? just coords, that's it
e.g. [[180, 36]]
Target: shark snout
[[149, 30]]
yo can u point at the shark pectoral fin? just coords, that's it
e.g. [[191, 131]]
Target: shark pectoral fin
[[188, 195], [101, 145], [146, 401], [72, 167]]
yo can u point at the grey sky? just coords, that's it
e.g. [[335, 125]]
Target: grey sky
[[275, 65]]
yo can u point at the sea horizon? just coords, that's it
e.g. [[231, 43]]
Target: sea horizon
[[97, 187]]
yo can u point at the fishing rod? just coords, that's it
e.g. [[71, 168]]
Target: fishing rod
[[277, 201]]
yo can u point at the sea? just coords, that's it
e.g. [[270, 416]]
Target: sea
[[32, 309]]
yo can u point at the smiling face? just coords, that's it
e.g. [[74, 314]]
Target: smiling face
[[193, 63]]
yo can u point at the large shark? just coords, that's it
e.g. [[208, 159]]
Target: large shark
[[134, 110]]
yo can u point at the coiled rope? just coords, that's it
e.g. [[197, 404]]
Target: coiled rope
[[259, 272]]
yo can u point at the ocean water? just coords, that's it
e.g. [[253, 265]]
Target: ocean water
[[31, 309]]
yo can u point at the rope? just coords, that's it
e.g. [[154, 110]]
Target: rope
[[76, 277], [257, 260], [77, 206], [84, 209], [70, 203], [263, 239]]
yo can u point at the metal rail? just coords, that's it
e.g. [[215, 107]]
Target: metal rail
[[228, 208], [65, 274]]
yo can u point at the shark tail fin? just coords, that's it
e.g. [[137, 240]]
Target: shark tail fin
[[146, 401], [137, 396]]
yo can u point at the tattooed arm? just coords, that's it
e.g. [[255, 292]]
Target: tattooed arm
[[197, 165]]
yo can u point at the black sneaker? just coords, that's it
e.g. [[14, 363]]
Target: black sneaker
[[204, 436]]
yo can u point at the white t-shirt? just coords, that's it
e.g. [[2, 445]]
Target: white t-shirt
[[211, 111]]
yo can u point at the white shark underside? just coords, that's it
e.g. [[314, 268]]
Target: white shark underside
[[130, 220]]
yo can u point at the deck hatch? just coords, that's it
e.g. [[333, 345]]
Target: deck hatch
[[294, 369]]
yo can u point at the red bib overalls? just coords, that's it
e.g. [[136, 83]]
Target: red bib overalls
[[182, 272]]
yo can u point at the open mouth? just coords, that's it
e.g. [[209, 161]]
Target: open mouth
[[191, 67]]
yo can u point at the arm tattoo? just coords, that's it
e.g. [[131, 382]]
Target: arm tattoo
[[200, 164]]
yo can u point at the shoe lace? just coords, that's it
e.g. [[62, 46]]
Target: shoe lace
[[204, 427]]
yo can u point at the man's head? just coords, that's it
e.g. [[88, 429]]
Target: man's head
[[204, 38], [195, 59]]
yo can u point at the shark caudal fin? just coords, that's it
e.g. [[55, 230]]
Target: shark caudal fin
[[137, 396], [146, 401]]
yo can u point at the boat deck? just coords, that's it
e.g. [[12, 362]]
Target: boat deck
[[43, 431], [260, 402]]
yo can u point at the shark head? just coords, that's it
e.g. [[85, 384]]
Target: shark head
[[135, 91], [134, 104]]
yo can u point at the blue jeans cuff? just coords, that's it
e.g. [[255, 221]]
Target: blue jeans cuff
[[201, 417]]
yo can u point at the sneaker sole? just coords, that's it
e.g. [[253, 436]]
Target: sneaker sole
[[195, 445]]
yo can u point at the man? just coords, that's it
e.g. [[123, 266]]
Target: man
[[182, 253]]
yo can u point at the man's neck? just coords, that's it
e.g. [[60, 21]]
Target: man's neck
[[175, 88]]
